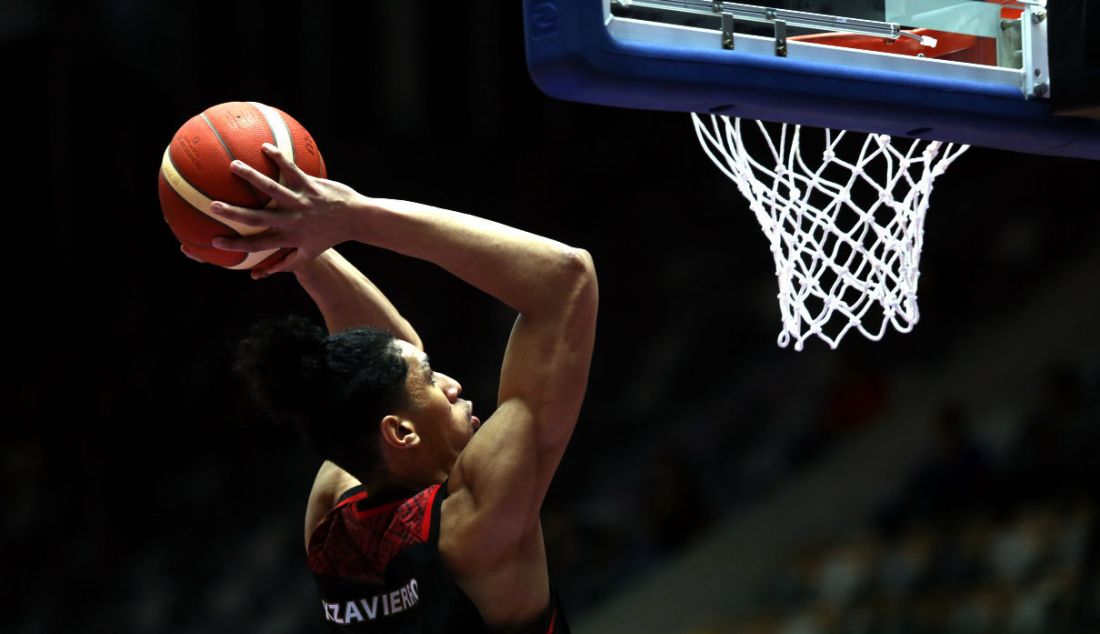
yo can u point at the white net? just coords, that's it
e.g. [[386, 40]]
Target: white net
[[846, 235]]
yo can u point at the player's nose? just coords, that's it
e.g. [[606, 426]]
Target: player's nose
[[452, 387]]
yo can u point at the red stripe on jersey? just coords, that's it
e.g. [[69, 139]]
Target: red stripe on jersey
[[362, 495], [426, 527]]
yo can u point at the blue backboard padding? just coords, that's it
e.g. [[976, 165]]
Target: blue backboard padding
[[571, 56]]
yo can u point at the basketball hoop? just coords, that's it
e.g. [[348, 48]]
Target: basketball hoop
[[846, 236]]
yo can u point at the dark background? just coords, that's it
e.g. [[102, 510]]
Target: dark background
[[142, 493]]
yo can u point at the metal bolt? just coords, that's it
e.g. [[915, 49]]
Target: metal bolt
[[1038, 16], [1040, 89], [769, 14]]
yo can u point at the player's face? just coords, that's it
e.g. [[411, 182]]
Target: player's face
[[443, 421]]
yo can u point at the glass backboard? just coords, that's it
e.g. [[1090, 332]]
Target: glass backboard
[[966, 71]]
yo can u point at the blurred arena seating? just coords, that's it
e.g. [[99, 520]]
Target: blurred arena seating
[[962, 507]]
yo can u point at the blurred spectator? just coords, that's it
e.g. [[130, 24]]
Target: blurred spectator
[[1055, 453], [954, 478], [856, 396], [853, 397], [952, 562], [673, 503]]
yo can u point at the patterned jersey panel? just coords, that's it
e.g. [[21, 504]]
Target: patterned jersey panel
[[377, 565], [359, 538], [378, 570]]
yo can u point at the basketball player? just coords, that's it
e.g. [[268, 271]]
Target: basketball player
[[415, 523]]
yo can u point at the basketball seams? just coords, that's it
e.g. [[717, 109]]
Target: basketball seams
[[280, 133], [194, 196], [293, 150], [290, 137], [218, 136], [173, 175], [202, 154], [201, 203], [309, 160], [261, 197], [194, 229], [194, 173]]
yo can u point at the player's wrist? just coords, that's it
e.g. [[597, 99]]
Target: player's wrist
[[368, 217], [313, 267]]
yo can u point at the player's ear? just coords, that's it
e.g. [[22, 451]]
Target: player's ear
[[399, 433]]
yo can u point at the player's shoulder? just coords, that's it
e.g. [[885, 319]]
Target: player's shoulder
[[328, 486]]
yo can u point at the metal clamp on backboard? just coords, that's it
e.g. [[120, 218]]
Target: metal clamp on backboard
[[780, 38], [1033, 40], [727, 25], [731, 11]]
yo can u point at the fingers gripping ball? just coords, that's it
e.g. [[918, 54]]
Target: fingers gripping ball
[[195, 172]]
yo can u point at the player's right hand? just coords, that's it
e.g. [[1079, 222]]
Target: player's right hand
[[310, 213]]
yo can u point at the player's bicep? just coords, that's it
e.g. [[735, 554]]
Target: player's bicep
[[507, 467], [502, 475], [546, 366]]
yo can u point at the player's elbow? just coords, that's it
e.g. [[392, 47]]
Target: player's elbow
[[581, 262], [583, 287], [564, 286]]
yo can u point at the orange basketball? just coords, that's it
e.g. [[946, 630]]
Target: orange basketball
[[195, 172]]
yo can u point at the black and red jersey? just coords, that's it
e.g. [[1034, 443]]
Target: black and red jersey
[[377, 564]]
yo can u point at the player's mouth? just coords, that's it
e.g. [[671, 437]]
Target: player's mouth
[[475, 422]]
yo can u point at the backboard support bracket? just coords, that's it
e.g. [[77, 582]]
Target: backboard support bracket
[[727, 27], [728, 30], [1033, 39], [780, 38]]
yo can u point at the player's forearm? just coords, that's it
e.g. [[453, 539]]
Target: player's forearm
[[347, 299], [530, 273]]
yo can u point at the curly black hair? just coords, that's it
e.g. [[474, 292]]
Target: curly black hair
[[332, 388]]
